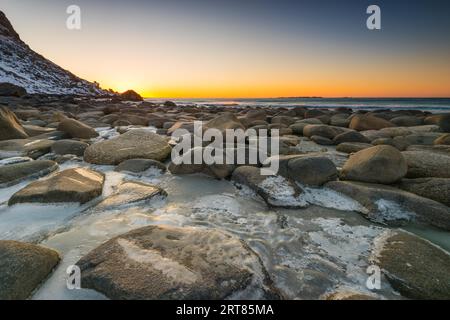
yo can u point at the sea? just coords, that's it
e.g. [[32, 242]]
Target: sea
[[434, 105]]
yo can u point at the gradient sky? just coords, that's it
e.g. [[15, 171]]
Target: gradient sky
[[246, 48]]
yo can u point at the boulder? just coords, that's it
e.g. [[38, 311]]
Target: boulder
[[276, 191], [77, 129], [437, 189], [352, 147], [311, 169], [15, 173], [407, 121], [77, 185], [134, 144], [426, 138], [350, 136], [323, 130], [188, 164], [23, 267], [223, 122], [322, 141], [413, 266], [168, 263], [10, 127], [33, 148], [379, 164], [74, 147], [140, 165], [392, 206], [11, 90], [369, 122], [423, 164]]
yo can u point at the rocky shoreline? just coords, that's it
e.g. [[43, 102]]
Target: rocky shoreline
[[393, 166]]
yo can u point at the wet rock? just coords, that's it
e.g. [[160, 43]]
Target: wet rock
[[437, 189], [297, 128], [350, 136], [379, 164], [73, 185], [322, 141], [392, 206], [63, 147], [417, 139], [140, 165], [311, 169], [23, 267], [323, 131], [444, 139], [422, 164], [413, 266], [275, 190], [407, 121], [369, 122], [188, 164], [166, 263], [352, 147], [283, 120], [375, 134], [10, 127], [77, 129], [223, 122], [25, 148], [15, 173], [134, 144], [131, 192], [340, 120]]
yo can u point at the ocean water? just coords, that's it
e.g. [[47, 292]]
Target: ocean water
[[435, 105]]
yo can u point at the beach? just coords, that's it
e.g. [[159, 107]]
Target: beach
[[92, 180]]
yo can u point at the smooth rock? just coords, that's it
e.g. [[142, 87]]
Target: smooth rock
[[78, 185], [15, 173], [77, 129], [63, 147], [437, 189], [392, 206], [168, 263], [134, 144], [413, 266], [422, 164], [379, 164], [369, 122], [23, 267]]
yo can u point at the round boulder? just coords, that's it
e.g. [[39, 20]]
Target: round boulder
[[134, 144], [23, 267], [380, 164], [167, 263]]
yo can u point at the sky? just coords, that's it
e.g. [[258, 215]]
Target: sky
[[246, 48]]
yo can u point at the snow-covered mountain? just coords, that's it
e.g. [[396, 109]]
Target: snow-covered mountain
[[22, 66]]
